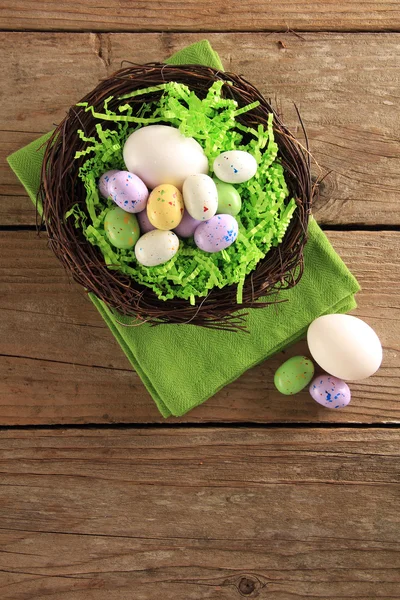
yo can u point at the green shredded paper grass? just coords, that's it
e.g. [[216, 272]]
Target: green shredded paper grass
[[263, 219]]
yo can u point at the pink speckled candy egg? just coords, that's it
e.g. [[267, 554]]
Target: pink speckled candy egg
[[330, 391], [104, 181], [144, 223], [128, 191], [217, 233], [187, 226]]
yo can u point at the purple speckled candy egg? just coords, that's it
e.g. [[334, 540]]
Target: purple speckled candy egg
[[128, 191], [187, 226], [104, 181], [217, 233], [144, 223], [330, 391]]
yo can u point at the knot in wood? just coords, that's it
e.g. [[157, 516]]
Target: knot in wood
[[247, 586]]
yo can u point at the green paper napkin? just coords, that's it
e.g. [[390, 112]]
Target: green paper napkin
[[184, 365]]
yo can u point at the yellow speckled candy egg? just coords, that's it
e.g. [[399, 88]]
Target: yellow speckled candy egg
[[165, 207]]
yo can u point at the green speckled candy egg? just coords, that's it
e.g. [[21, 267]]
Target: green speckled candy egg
[[122, 228], [294, 375], [229, 202]]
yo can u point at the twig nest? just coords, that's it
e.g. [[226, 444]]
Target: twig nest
[[214, 286]]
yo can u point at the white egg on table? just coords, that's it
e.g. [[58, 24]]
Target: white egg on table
[[200, 196], [160, 154], [344, 346], [156, 247], [235, 166]]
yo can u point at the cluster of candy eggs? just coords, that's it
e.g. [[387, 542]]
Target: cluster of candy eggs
[[166, 194], [345, 347]]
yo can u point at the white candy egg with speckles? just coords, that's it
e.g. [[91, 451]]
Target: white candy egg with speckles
[[200, 196], [216, 234], [156, 247], [235, 166]]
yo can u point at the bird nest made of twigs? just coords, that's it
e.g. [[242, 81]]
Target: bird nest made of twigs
[[64, 192]]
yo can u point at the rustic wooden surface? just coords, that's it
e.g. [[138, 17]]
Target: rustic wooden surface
[[270, 514], [306, 504], [200, 15]]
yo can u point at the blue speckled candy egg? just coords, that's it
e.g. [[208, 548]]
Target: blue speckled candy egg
[[104, 182], [235, 166], [216, 234], [128, 191], [330, 391]]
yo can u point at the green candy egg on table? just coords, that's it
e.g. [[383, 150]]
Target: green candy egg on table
[[229, 201], [294, 375], [122, 228]]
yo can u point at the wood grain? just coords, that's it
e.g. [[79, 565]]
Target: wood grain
[[200, 15], [200, 513], [346, 86], [62, 364]]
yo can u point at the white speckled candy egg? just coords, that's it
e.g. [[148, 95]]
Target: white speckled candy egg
[[128, 191], [344, 346], [216, 234], [165, 207], [235, 166], [187, 226], [330, 391], [200, 196], [161, 154], [156, 247], [104, 181]]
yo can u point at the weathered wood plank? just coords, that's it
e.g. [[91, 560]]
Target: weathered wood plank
[[200, 513], [346, 87], [62, 365], [200, 15]]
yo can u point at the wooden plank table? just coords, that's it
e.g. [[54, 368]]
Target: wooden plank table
[[252, 494]]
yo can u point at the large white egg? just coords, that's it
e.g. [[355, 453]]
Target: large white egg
[[156, 247], [200, 196], [160, 154], [344, 346], [235, 166]]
